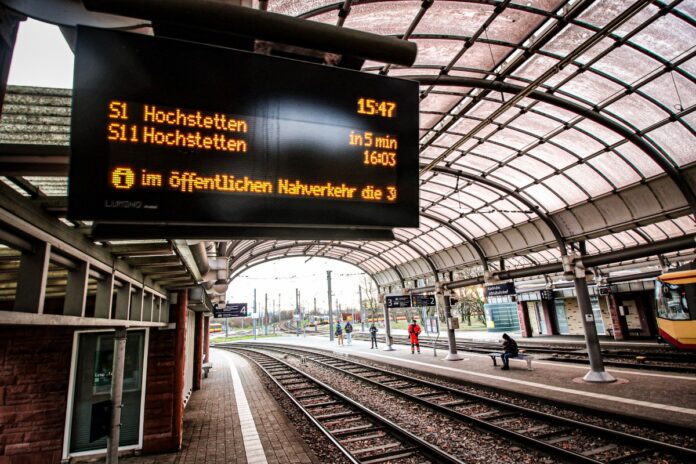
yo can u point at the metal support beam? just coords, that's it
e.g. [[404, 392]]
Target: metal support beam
[[114, 437], [31, 282], [76, 290], [331, 324]]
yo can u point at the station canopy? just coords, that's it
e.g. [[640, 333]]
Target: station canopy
[[543, 123]]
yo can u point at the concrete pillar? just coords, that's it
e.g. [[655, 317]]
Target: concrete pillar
[[618, 322], [136, 310], [523, 315], [597, 373], [123, 301], [550, 317], [451, 338], [206, 340], [198, 352], [105, 297], [31, 281], [179, 367], [76, 290]]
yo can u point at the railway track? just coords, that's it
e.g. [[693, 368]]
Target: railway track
[[361, 435], [568, 439]]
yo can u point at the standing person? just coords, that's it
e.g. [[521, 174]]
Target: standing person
[[373, 336], [339, 333], [510, 351], [349, 332], [413, 331]]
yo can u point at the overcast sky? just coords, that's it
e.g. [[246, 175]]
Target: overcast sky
[[42, 58]]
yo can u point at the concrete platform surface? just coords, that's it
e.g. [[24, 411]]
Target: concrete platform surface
[[669, 398], [216, 433]]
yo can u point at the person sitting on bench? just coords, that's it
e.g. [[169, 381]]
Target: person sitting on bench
[[510, 351]]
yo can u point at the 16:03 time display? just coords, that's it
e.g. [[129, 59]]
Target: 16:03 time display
[[372, 107]]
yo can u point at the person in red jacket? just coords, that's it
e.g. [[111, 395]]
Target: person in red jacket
[[413, 331]]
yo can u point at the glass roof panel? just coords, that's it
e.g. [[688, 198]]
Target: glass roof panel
[[591, 181], [547, 5], [477, 163], [483, 56], [382, 18], [669, 37], [626, 64], [637, 111], [591, 88], [439, 102], [513, 138], [615, 169], [535, 123], [578, 143], [438, 52], [531, 166], [513, 25], [566, 189], [645, 165], [512, 176], [677, 141], [672, 90], [455, 18], [493, 151], [544, 197], [294, 7], [603, 11], [553, 155]]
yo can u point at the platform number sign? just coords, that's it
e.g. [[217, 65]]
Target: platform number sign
[[398, 301]]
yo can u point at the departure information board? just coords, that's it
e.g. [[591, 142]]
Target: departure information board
[[173, 132]]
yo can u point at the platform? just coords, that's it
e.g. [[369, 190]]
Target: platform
[[214, 433], [664, 397]]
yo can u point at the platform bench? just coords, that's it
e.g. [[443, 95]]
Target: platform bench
[[520, 357], [206, 368]]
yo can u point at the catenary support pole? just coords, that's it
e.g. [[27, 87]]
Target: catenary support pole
[[265, 314], [597, 373], [360, 309], [112, 441], [387, 328], [451, 338], [253, 316], [331, 324]]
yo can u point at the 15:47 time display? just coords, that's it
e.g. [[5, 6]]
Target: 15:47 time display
[[372, 107]]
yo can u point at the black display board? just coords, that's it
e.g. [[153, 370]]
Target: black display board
[[398, 301], [423, 300], [231, 310], [173, 132]]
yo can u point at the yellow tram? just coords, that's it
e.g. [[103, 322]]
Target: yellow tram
[[675, 294]]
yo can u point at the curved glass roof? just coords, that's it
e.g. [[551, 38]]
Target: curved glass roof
[[542, 123], [508, 173]]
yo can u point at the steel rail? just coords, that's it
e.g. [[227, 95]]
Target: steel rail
[[594, 429], [406, 438]]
